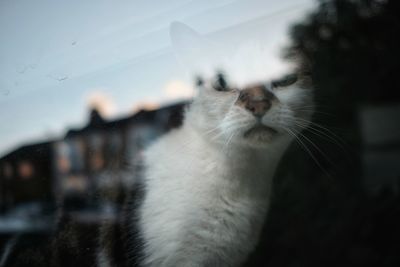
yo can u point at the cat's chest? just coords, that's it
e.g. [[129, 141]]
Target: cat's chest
[[227, 195], [228, 209], [233, 179]]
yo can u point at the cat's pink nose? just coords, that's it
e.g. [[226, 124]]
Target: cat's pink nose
[[257, 99], [258, 107]]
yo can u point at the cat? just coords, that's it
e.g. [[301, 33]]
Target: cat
[[205, 188]]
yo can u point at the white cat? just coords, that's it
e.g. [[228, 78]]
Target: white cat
[[208, 183]]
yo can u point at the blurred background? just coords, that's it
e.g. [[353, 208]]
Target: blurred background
[[86, 86]]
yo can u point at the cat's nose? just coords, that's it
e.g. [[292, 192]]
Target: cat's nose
[[258, 107], [257, 99]]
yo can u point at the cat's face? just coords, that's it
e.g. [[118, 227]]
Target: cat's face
[[246, 107], [255, 115]]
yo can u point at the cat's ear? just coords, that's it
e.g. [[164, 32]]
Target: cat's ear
[[197, 54], [183, 37]]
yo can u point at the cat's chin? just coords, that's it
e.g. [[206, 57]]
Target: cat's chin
[[260, 135]]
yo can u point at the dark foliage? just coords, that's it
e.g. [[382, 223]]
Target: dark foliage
[[321, 214]]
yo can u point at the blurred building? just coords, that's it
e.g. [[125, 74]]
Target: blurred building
[[26, 175], [95, 158]]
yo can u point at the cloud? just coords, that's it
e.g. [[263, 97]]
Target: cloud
[[102, 102], [173, 91], [145, 105], [177, 90]]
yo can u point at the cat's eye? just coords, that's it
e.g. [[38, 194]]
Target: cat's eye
[[243, 96], [220, 83], [285, 81]]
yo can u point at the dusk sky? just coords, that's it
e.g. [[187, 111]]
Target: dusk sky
[[58, 57]]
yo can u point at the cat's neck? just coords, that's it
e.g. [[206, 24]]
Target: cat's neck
[[236, 170]]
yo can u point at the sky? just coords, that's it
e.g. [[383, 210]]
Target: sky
[[57, 58]]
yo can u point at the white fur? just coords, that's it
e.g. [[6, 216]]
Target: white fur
[[208, 185]]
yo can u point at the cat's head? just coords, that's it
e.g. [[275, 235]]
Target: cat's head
[[255, 113]]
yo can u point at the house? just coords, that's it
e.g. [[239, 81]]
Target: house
[[95, 161], [88, 162], [26, 175]]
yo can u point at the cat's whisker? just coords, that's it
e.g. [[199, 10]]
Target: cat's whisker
[[227, 129], [318, 130], [323, 135], [307, 124], [226, 146], [231, 126], [229, 120], [313, 111], [322, 128], [215, 137], [213, 130], [233, 122], [316, 147], [304, 146]]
